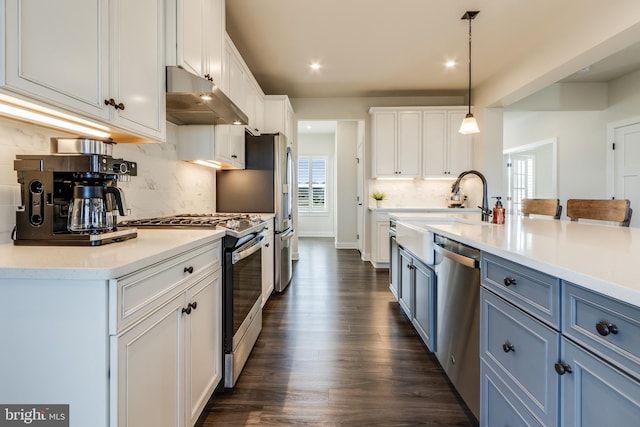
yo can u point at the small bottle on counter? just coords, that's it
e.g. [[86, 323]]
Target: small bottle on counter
[[498, 212]]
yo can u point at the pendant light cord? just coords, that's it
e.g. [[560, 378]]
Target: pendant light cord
[[470, 18]]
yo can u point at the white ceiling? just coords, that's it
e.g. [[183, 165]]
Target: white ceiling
[[396, 47]]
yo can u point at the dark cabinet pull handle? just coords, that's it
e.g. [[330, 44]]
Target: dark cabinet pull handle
[[605, 328], [233, 156], [507, 347], [187, 309], [562, 368], [114, 104], [508, 281], [188, 269], [194, 305]]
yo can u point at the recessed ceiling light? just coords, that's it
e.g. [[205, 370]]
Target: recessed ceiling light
[[450, 64], [315, 66]]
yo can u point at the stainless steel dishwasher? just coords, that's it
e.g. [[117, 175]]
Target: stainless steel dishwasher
[[458, 317]]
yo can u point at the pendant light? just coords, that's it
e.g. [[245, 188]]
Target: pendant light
[[469, 124]]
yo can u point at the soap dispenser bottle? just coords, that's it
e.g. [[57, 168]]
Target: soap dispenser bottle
[[498, 212]]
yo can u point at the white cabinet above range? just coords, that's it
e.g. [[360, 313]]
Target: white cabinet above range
[[414, 142]]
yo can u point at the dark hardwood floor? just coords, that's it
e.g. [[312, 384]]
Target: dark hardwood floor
[[335, 350]]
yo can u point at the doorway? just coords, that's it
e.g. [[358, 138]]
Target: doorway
[[624, 154]]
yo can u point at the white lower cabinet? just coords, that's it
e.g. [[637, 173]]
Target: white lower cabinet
[[148, 358], [169, 362], [380, 240]]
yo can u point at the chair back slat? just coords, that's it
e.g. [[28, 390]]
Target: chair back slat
[[549, 207], [615, 210]]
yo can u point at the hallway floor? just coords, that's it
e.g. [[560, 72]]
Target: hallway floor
[[335, 350]]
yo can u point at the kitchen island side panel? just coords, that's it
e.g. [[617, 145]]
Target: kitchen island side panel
[[55, 346]]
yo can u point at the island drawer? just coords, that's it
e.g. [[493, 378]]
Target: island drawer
[[608, 327], [143, 291], [518, 348], [535, 292]]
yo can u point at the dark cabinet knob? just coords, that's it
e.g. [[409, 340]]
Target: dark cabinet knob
[[508, 281], [233, 156], [507, 347], [605, 328], [562, 368], [188, 269], [194, 305], [186, 309]]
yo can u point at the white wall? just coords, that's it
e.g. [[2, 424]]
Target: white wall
[[582, 142], [311, 224], [164, 186]]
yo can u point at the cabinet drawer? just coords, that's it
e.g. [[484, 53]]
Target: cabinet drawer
[[535, 292], [143, 291], [608, 327], [519, 347]]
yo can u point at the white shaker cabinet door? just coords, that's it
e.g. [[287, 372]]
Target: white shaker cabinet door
[[149, 359], [190, 27], [203, 344], [137, 66], [460, 146], [57, 51]]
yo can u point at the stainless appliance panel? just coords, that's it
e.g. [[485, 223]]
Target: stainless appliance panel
[[283, 262], [458, 317]]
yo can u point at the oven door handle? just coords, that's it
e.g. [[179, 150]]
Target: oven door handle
[[239, 256], [456, 257]]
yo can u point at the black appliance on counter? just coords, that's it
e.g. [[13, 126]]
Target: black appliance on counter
[[71, 199], [264, 186], [241, 279]]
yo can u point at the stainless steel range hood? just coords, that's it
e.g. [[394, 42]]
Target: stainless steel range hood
[[193, 100]]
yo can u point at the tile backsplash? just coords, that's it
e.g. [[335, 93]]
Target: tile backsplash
[[418, 193], [164, 186]]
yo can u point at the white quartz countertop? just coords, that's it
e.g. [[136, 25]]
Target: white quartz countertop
[[602, 258], [100, 262]]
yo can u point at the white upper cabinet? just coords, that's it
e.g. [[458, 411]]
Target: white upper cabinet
[[195, 37], [221, 143], [101, 59], [445, 150], [278, 115], [414, 142], [397, 142]]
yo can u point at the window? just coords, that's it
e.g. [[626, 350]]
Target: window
[[312, 184]]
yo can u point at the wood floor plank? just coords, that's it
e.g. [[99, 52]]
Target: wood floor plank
[[335, 350]]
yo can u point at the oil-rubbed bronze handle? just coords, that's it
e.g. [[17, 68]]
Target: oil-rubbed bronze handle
[[187, 309], [562, 368], [188, 269], [114, 104], [194, 305], [507, 347], [606, 328], [508, 281]]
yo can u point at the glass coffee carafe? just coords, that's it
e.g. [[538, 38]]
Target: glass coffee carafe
[[88, 211]]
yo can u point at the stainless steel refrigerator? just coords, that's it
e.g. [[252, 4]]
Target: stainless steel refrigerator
[[263, 187]]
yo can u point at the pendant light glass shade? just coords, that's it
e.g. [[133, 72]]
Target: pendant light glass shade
[[469, 124]]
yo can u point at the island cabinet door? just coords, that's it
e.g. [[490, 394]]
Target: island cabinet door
[[424, 304], [404, 280], [147, 359], [593, 392]]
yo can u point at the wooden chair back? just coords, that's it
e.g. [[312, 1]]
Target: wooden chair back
[[549, 207], [615, 210]]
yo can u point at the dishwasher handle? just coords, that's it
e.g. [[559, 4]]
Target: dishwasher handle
[[460, 259]]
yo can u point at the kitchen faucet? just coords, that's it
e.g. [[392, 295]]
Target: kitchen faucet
[[455, 188]]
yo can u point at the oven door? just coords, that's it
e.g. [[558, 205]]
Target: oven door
[[246, 285]]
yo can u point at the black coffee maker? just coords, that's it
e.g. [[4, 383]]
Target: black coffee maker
[[71, 199]]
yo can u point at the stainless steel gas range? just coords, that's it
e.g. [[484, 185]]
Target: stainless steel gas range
[[241, 279]]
